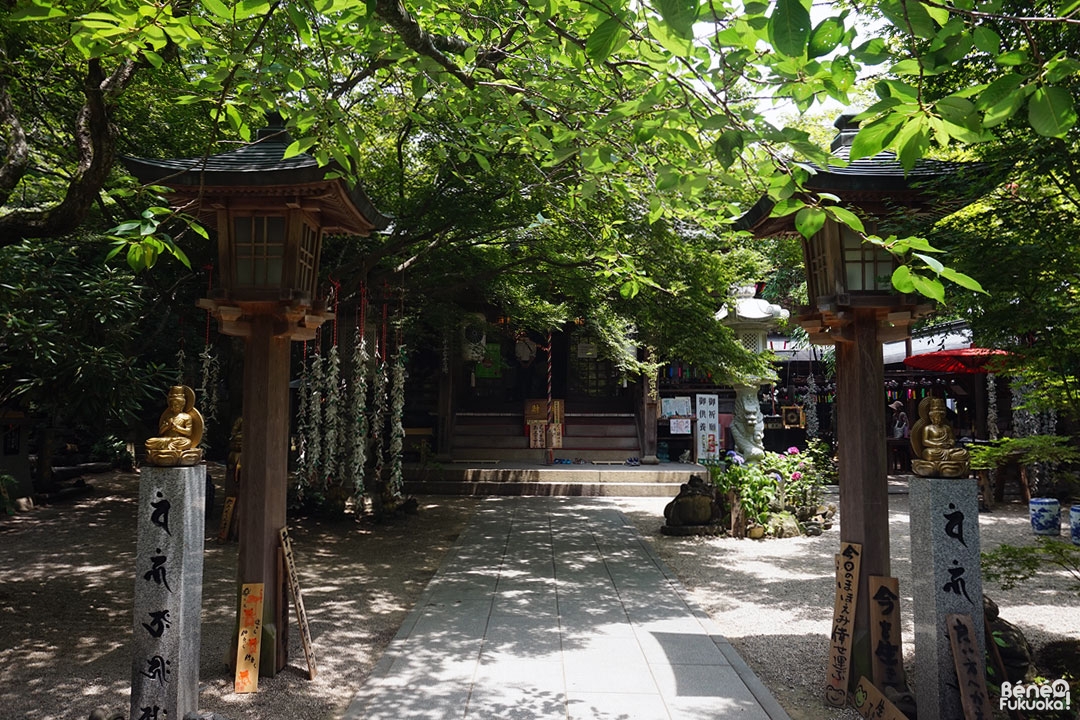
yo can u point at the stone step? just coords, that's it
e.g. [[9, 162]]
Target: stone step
[[527, 454], [570, 442], [510, 478]]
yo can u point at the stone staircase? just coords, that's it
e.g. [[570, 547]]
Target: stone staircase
[[491, 456]]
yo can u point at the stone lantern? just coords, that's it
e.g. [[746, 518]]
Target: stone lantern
[[853, 306], [751, 319], [270, 214]]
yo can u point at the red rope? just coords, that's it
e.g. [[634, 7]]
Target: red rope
[[209, 268]]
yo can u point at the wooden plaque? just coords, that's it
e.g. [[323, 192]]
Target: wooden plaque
[[226, 518], [847, 590], [298, 601], [887, 659], [872, 703], [970, 670], [247, 644]]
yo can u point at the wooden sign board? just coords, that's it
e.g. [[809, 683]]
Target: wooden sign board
[[970, 671], [847, 590], [872, 703], [247, 644], [887, 660], [298, 601], [226, 518]]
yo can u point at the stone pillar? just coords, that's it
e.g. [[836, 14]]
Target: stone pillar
[[168, 592], [946, 574]]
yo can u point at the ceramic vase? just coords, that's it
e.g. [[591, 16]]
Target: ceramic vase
[[1074, 524], [1045, 516]]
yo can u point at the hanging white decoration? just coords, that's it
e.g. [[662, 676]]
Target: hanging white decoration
[[810, 407], [378, 418], [315, 418], [208, 388], [180, 360], [331, 408], [397, 426], [357, 421], [303, 430]]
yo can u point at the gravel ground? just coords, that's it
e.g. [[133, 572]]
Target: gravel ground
[[66, 600]]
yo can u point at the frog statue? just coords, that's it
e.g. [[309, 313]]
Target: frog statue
[[934, 444], [180, 431]]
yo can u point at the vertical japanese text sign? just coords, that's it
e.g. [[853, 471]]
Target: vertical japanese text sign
[[168, 592], [298, 601], [888, 658], [709, 442], [970, 671], [847, 590]]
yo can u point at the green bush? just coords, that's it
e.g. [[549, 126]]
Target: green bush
[[1011, 565]]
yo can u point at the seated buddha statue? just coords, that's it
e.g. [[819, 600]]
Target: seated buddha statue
[[180, 431], [934, 444]]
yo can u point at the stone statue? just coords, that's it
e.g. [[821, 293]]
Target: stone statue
[[748, 426], [934, 444], [181, 431], [694, 511]]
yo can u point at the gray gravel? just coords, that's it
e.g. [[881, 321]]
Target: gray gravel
[[66, 584]]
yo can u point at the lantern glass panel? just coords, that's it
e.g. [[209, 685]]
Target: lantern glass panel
[[259, 247], [867, 267], [307, 260]]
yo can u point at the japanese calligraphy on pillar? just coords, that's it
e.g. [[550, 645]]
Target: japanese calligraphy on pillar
[[954, 529], [969, 668], [298, 601], [709, 443], [847, 589], [872, 704], [887, 661], [155, 608], [247, 644]]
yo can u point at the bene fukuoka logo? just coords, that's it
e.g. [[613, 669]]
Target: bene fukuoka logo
[[1036, 696]]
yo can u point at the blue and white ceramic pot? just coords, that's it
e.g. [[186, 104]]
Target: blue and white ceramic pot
[[1074, 524], [1045, 516]]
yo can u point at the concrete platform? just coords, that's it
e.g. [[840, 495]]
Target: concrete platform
[[556, 609]]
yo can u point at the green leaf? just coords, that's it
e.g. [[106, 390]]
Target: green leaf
[[789, 27], [218, 8], [873, 137], [931, 262], [846, 217], [250, 8], [1000, 100], [987, 40], [1051, 111], [910, 17], [928, 287], [809, 220], [964, 281], [1012, 58], [727, 147], [608, 37], [37, 10], [825, 37], [679, 15], [901, 280]]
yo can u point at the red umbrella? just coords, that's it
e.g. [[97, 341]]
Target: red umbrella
[[958, 360]]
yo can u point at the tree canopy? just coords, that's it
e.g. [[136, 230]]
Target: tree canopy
[[558, 154]]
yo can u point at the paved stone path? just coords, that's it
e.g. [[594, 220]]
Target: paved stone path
[[556, 608]]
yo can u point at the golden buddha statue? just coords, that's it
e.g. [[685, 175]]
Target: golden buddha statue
[[934, 444], [181, 431]]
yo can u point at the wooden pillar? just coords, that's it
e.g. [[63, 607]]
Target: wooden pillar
[[265, 476], [864, 490]]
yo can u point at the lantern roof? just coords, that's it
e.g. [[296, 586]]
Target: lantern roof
[[879, 185], [261, 170]]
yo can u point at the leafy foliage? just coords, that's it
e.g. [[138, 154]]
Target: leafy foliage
[[1013, 566], [1024, 450]]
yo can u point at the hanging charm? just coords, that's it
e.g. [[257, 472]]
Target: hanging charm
[[378, 419], [208, 388], [357, 423], [810, 406], [315, 419], [397, 427], [304, 467], [331, 408]]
